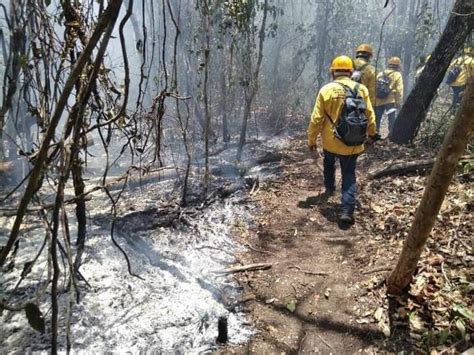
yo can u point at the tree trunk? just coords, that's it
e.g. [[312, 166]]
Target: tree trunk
[[251, 91], [231, 93], [409, 44], [445, 166], [323, 39], [12, 66], [397, 43], [277, 94], [79, 189], [135, 25], [223, 106], [207, 51], [243, 129], [414, 110]]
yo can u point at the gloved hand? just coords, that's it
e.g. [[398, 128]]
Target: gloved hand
[[314, 150], [374, 138]]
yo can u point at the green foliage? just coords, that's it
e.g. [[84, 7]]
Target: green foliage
[[443, 336], [456, 332], [461, 327], [291, 306], [463, 311], [23, 61], [468, 167], [241, 12]]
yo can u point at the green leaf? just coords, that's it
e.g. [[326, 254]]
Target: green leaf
[[463, 311], [443, 336], [35, 317], [23, 61], [461, 327], [468, 167], [291, 306]]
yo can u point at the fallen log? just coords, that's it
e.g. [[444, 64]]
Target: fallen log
[[250, 267], [409, 167], [269, 157], [402, 168], [152, 218]]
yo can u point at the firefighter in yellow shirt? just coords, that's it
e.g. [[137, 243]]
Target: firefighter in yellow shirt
[[459, 72], [364, 71], [336, 102], [389, 93]]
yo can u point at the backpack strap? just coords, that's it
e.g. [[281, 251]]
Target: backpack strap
[[384, 73], [356, 90], [330, 120], [392, 83], [362, 67], [355, 93]]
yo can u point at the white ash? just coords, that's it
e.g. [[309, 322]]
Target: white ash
[[177, 305]]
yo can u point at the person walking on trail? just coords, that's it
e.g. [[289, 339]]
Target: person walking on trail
[[364, 72], [344, 117], [460, 70], [389, 93]]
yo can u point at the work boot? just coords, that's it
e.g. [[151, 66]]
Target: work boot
[[329, 192], [346, 218]]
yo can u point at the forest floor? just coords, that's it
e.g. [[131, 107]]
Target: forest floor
[[325, 291]]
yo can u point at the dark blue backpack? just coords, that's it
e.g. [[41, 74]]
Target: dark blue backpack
[[351, 128], [453, 74], [383, 88]]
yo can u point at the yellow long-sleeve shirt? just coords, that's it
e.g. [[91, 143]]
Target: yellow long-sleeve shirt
[[329, 103], [367, 76], [467, 70], [396, 88]]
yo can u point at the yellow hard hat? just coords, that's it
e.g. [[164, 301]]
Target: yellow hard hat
[[342, 62], [364, 47], [395, 61]]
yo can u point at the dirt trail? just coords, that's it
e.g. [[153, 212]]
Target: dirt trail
[[325, 292], [306, 302]]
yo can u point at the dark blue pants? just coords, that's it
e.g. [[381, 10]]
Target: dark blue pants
[[379, 111], [349, 187], [457, 91]]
